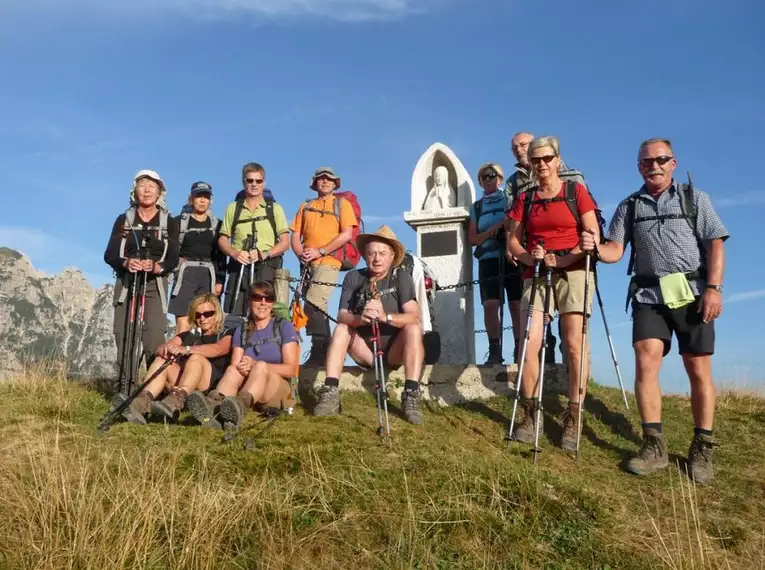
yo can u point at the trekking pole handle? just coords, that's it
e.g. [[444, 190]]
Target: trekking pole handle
[[376, 335]]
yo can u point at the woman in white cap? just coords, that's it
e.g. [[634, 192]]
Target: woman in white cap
[[144, 240]]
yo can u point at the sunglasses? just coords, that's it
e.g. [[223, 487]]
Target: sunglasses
[[258, 298], [490, 176], [660, 160], [254, 180], [206, 315], [547, 159]]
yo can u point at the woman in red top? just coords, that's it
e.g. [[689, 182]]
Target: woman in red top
[[551, 238]]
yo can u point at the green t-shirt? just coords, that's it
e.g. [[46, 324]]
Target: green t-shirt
[[265, 234]]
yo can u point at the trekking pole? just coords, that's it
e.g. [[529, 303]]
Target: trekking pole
[[126, 361], [585, 322], [501, 305], [524, 347], [545, 327], [138, 330], [380, 385], [610, 341], [108, 420]]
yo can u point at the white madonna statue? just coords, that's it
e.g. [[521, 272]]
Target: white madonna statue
[[442, 195]]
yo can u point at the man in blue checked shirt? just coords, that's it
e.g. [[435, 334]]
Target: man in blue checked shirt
[[678, 259]]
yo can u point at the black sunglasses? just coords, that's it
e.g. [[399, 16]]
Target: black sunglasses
[[660, 160], [260, 298], [547, 159], [254, 180], [489, 176], [206, 315]]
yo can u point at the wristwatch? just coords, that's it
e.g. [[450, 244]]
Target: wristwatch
[[718, 288], [389, 318], [188, 350], [322, 251]]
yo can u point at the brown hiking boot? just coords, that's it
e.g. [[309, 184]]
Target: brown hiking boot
[[570, 427], [138, 409], [171, 405], [652, 456], [203, 408], [524, 431], [700, 467], [232, 410]]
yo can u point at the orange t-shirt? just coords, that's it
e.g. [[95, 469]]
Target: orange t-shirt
[[320, 228]]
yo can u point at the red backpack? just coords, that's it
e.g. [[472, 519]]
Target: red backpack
[[348, 255]]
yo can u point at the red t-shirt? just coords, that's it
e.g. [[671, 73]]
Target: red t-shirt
[[552, 222]]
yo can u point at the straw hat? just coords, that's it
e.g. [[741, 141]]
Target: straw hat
[[385, 235]]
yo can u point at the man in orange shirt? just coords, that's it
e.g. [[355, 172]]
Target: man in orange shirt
[[319, 229]]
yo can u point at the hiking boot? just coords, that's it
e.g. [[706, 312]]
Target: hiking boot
[[138, 409], [232, 410], [495, 355], [652, 456], [170, 406], [570, 428], [700, 459], [524, 431], [410, 402], [329, 401], [318, 353], [202, 409]]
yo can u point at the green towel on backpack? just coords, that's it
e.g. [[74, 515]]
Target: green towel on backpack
[[676, 291]]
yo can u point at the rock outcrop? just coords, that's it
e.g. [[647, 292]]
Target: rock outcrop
[[60, 319]]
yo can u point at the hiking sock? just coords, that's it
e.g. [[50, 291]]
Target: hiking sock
[[701, 431], [654, 426], [330, 381], [412, 385]]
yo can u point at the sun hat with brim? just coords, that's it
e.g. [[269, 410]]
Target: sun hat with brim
[[491, 166], [329, 173], [201, 188], [153, 176], [385, 235]]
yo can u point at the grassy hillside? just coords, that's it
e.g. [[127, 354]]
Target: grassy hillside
[[327, 493]]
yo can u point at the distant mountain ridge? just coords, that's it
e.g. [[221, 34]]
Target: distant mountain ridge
[[60, 318]]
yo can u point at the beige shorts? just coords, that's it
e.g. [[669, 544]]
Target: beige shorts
[[566, 296], [283, 399], [319, 294]]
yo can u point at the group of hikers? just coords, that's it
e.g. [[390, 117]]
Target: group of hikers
[[538, 236]]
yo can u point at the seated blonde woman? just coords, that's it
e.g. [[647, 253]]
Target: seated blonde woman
[[200, 358], [265, 356]]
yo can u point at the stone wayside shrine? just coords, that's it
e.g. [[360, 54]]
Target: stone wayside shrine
[[442, 194]]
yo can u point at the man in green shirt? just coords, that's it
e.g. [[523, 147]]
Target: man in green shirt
[[254, 235]]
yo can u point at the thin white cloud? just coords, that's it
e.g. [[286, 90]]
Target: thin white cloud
[[342, 10], [745, 296], [382, 219], [743, 199]]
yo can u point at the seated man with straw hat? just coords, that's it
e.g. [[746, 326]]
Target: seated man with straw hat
[[377, 293]]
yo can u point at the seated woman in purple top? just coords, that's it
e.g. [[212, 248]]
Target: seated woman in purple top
[[263, 359]]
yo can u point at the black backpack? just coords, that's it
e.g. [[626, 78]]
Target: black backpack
[[268, 197]]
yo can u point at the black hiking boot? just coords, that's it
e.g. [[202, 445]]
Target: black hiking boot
[[138, 409], [652, 455], [329, 401], [700, 467], [232, 410], [570, 427], [524, 431], [495, 354], [318, 354], [170, 406], [410, 402], [203, 408]]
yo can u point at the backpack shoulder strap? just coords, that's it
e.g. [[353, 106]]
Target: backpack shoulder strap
[[213, 222], [184, 227], [278, 321], [337, 205], [687, 205], [163, 233], [237, 212], [629, 226], [570, 195], [271, 217], [478, 207]]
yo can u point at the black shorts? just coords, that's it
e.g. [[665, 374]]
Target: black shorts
[[490, 289], [196, 281], [386, 340], [659, 321], [263, 271]]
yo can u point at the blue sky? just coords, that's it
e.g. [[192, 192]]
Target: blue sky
[[195, 88]]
